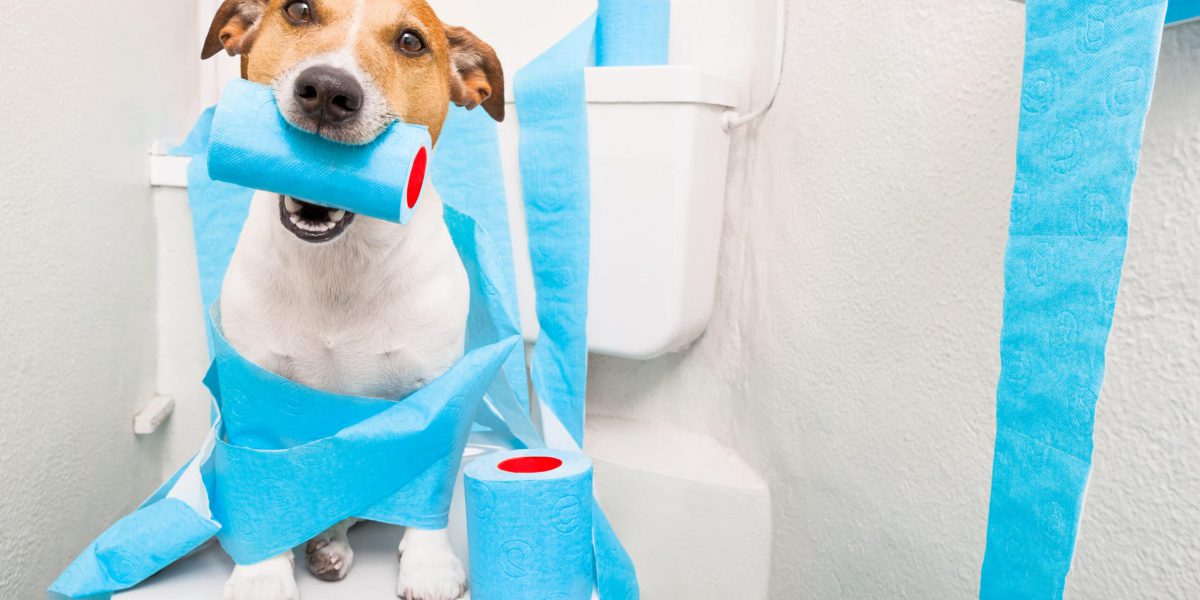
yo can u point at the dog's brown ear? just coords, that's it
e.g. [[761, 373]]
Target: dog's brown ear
[[232, 27], [476, 77]]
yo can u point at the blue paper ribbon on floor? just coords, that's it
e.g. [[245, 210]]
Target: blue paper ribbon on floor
[[1089, 70]]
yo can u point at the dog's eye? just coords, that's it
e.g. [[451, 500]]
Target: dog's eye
[[410, 42], [299, 11]]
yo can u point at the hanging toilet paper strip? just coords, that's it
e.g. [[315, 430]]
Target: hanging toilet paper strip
[[530, 524], [551, 103], [251, 145], [1089, 70], [468, 175], [555, 180], [633, 32]]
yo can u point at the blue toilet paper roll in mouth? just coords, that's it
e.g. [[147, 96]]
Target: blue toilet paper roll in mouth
[[253, 146]]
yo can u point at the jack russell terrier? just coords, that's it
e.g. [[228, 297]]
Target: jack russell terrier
[[335, 301]]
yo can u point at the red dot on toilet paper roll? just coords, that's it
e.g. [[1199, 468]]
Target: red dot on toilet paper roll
[[416, 178], [530, 464]]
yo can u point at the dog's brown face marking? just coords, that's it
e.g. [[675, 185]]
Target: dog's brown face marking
[[408, 64]]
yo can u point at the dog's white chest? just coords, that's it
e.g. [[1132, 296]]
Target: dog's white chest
[[385, 357], [361, 318]]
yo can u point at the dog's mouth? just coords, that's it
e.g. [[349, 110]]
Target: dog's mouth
[[311, 222]]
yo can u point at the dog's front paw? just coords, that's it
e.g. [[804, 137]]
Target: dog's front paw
[[429, 569], [330, 558], [270, 580]]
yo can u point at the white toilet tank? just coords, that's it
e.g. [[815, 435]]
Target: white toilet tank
[[658, 164], [659, 158]]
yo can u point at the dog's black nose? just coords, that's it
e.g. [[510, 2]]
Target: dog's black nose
[[328, 94]]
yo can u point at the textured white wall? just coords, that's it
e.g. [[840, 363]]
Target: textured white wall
[[854, 353], [87, 89]]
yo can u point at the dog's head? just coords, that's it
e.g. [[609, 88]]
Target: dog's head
[[345, 69]]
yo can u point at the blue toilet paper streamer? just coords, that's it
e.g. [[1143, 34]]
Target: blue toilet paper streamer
[[166, 531], [1089, 70], [555, 180], [469, 176], [633, 32], [531, 533], [370, 179]]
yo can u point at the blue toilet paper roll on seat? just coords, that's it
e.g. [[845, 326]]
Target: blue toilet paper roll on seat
[[529, 517], [1089, 70]]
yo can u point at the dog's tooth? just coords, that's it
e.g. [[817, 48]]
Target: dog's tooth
[[336, 215], [295, 219], [291, 205]]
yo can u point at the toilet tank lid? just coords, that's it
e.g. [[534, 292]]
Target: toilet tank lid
[[658, 84]]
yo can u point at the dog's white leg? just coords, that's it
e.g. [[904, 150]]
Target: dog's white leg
[[329, 554], [271, 579], [429, 569]]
